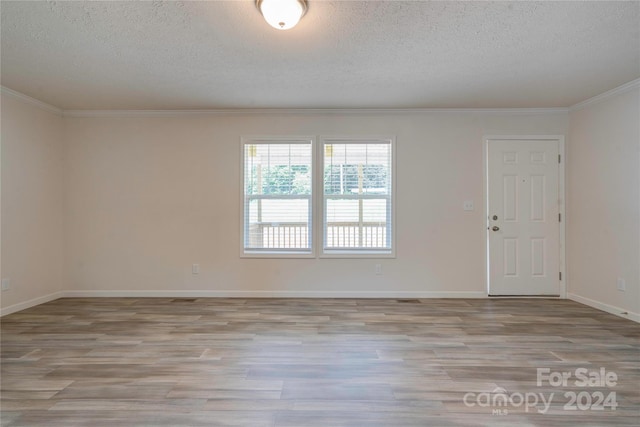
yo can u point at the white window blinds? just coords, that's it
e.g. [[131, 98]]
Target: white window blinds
[[357, 195], [278, 199]]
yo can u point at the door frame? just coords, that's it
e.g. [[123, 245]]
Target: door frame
[[562, 203]]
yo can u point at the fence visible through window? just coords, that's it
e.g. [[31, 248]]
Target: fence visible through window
[[294, 235]]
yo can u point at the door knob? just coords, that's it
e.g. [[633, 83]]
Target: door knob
[[495, 228]]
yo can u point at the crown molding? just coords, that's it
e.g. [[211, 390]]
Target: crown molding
[[263, 111], [31, 101], [309, 111], [633, 84]]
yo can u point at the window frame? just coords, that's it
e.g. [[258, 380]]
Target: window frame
[[321, 228], [278, 253]]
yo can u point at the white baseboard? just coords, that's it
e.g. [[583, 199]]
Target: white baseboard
[[272, 294], [236, 294], [290, 294], [30, 303], [605, 307]]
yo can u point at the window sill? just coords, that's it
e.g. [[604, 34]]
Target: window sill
[[276, 254], [357, 254]]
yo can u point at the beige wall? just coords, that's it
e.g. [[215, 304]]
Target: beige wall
[[125, 205], [148, 197], [603, 187], [32, 202]]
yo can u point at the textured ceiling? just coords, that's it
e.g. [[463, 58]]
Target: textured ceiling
[[343, 54]]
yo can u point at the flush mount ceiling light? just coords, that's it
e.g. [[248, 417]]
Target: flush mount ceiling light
[[282, 14]]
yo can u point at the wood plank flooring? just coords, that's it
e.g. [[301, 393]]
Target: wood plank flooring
[[310, 362]]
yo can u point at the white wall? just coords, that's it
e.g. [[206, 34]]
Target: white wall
[[149, 196], [603, 187], [97, 205], [32, 203]]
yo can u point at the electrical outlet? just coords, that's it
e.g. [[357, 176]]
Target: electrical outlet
[[468, 205], [622, 284], [6, 284], [379, 269], [195, 269]]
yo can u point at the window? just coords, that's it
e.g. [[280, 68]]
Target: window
[[358, 196], [278, 196]]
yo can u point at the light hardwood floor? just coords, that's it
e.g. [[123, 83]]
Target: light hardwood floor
[[309, 362]]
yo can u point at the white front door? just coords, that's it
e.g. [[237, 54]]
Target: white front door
[[523, 217]]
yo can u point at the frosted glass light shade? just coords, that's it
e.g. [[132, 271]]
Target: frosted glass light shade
[[282, 14]]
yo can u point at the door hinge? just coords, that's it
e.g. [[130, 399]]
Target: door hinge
[[559, 157], [560, 275], [559, 217]]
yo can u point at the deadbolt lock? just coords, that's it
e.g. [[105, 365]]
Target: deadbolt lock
[[495, 217]]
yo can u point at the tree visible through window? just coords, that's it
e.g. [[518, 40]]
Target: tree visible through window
[[277, 195], [357, 190], [341, 178]]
